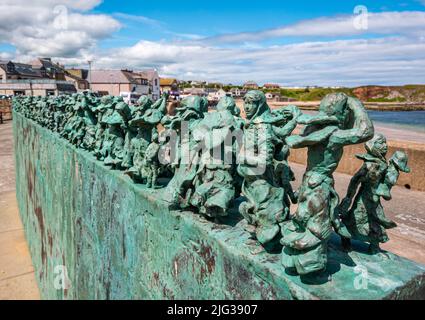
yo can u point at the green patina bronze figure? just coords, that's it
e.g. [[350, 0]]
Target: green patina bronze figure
[[124, 110], [366, 220], [101, 110], [146, 116], [89, 105], [113, 143], [341, 121], [151, 164], [185, 160], [217, 159], [398, 163], [215, 183], [75, 126], [264, 140], [109, 136], [59, 115], [65, 115], [284, 171], [134, 135]]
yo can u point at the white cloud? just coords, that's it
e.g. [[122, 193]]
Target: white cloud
[[82, 5], [5, 56], [385, 23], [155, 24], [53, 27], [138, 19], [344, 62], [397, 56], [157, 52]]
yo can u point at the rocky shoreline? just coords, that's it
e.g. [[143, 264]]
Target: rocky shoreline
[[373, 106]]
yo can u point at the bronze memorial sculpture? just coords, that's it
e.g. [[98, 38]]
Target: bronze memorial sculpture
[[341, 121], [366, 220], [214, 162], [264, 139]]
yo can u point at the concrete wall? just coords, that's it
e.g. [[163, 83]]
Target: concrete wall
[[35, 89], [118, 240], [112, 89], [28, 92], [3, 75], [350, 164]]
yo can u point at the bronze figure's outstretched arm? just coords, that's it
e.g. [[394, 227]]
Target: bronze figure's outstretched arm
[[298, 141], [362, 130]]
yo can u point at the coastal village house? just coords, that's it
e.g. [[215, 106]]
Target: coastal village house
[[58, 72], [251, 85], [271, 86], [41, 77], [170, 85], [138, 78], [17, 71], [238, 93], [217, 95], [201, 92], [154, 82], [48, 68], [80, 77], [273, 96], [115, 82]]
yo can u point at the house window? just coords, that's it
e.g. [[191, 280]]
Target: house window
[[50, 93], [18, 93]]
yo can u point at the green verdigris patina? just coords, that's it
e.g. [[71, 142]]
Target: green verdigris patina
[[264, 140], [214, 184], [366, 220], [341, 121], [233, 172], [117, 240]]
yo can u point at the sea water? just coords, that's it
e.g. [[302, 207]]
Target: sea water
[[410, 120]]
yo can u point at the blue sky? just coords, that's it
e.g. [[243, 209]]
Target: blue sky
[[288, 42], [218, 17]]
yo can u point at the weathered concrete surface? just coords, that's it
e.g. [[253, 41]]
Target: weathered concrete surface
[[17, 280], [7, 167], [118, 241]]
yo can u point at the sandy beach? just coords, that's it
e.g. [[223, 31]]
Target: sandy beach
[[394, 132], [397, 134]]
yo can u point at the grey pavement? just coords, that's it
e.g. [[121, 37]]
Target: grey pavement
[[17, 278]]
